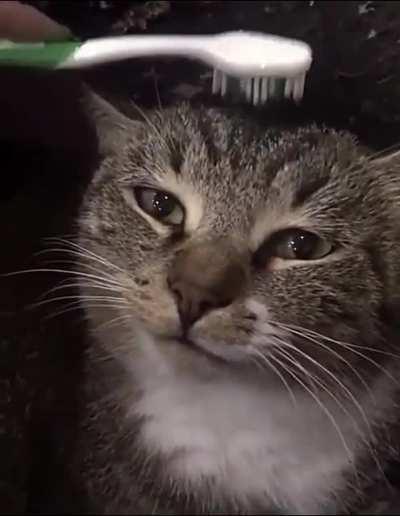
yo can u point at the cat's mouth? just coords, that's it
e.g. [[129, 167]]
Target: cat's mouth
[[196, 348], [217, 353], [192, 347]]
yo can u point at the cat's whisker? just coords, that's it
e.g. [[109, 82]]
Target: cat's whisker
[[90, 285], [61, 271], [329, 373], [75, 306], [79, 284], [66, 283], [374, 363], [85, 268], [281, 347], [333, 352], [256, 362], [367, 441], [306, 375], [338, 342], [78, 306], [323, 407], [87, 252], [87, 261], [65, 236], [82, 264], [101, 285], [355, 350], [80, 298], [80, 252], [82, 284], [314, 379], [111, 322], [269, 364]]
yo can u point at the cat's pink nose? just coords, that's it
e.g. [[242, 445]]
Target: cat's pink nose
[[205, 277]]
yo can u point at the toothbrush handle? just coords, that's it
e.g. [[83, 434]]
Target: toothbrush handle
[[106, 50]]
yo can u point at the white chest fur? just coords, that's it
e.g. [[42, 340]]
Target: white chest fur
[[250, 437]]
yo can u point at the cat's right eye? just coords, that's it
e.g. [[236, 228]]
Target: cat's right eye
[[160, 205]]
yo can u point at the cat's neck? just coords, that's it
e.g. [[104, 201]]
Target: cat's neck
[[254, 439]]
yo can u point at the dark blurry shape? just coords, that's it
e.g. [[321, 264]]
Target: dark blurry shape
[[138, 17]]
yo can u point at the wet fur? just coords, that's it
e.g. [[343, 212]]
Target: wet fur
[[165, 428]]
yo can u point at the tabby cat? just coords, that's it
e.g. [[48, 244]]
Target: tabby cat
[[241, 283]]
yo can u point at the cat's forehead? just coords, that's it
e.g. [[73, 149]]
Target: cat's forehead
[[234, 161]]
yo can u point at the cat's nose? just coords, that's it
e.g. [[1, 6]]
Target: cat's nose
[[193, 302], [204, 278]]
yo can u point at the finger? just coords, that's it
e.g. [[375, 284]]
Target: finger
[[22, 22]]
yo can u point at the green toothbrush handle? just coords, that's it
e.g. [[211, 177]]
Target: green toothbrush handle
[[36, 55]]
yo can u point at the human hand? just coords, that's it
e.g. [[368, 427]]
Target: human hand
[[22, 22]]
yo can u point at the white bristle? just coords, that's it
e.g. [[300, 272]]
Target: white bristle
[[271, 88], [248, 90], [256, 90], [224, 84], [259, 90], [288, 88], [298, 90], [264, 90], [216, 83]]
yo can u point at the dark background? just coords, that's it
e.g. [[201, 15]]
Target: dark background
[[47, 155]]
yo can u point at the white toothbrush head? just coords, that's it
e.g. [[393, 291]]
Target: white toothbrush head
[[253, 54], [267, 67]]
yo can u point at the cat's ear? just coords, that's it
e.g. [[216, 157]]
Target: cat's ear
[[112, 127]]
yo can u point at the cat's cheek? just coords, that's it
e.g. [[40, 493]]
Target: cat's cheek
[[90, 224]]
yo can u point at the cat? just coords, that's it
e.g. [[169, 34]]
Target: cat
[[241, 281]]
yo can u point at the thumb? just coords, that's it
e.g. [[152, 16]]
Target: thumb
[[22, 22]]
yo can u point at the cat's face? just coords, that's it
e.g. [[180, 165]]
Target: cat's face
[[254, 246]]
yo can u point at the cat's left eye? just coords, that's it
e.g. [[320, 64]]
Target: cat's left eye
[[298, 244], [160, 205], [293, 244]]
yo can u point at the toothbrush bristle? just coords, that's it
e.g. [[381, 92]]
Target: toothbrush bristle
[[264, 90], [248, 89], [224, 84], [216, 84], [256, 90], [298, 90], [259, 90], [288, 88]]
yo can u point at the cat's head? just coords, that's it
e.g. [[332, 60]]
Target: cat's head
[[254, 245]]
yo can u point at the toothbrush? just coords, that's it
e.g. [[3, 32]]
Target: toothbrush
[[264, 66]]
